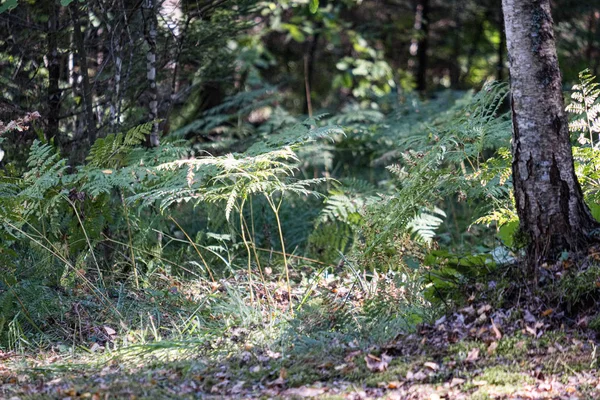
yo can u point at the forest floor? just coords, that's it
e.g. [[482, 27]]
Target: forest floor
[[476, 352]]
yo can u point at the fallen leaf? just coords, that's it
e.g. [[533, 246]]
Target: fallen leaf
[[468, 310], [496, 329], [583, 322], [217, 388], [237, 388], [473, 355], [112, 334], [276, 382], [95, 347], [431, 365], [547, 312], [456, 382], [350, 356], [483, 309], [394, 385], [492, 348], [377, 364], [303, 391], [283, 373], [418, 376], [570, 390], [531, 331]]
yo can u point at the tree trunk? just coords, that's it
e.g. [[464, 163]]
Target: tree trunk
[[151, 35], [54, 92], [85, 78], [458, 11], [420, 43], [501, 48], [548, 197]]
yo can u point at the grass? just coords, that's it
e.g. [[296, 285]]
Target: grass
[[190, 339]]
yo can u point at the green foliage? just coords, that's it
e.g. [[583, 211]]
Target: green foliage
[[444, 160], [586, 109], [392, 304], [495, 173], [578, 290], [108, 152], [449, 272]]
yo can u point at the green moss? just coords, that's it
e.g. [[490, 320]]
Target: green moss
[[513, 347], [460, 350], [502, 375], [396, 371]]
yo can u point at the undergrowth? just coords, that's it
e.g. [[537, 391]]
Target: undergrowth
[[336, 229]]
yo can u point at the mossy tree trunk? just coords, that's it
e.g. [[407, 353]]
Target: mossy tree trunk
[[549, 200]]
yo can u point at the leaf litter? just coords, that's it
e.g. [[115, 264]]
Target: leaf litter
[[478, 351]]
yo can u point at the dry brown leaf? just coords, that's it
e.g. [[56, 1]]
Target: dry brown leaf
[[377, 364], [496, 329], [492, 348], [350, 356], [431, 365], [583, 322], [283, 373], [417, 376], [468, 310], [110, 331], [276, 382], [238, 387], [473, 355], [394, 385], [531, 331], [481, 331], [303, 391], [456, 382], [547, 312], [483, 309], [219, 386]]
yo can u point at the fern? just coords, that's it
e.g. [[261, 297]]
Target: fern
[[425, 223], [109, 152], [586, 109]]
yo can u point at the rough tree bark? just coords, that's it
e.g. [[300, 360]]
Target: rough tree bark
[[548, 197]]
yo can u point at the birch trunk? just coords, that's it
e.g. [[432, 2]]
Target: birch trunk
[[85, 79], [151, 35], [548, 197]]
